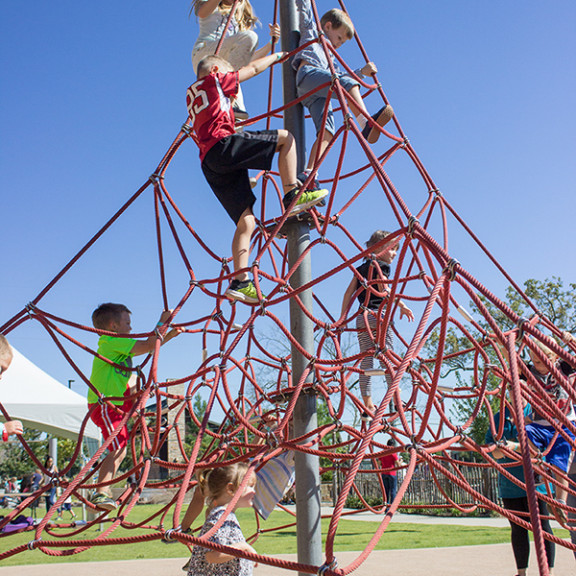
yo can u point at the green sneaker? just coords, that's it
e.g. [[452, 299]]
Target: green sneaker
[[102, 501], [307, 199], [244, 291]]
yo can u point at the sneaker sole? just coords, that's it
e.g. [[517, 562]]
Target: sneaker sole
[[106, 506], [385, 116], [241, 115], [307, 205], [235, 295]]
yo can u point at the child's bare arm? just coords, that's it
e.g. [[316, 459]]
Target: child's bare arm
[[147, 346], [274, 35], [405, 311], [13, 427], [194, 508], [569, 338], [257, 66], [214, 557]]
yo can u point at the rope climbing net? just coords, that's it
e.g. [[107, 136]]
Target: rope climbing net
[[244, 379]]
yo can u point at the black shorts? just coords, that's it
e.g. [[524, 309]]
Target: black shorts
[[226, 167]]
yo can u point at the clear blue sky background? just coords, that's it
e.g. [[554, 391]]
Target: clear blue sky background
[[93, 93]]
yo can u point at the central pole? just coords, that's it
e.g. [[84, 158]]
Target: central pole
[[307, 467]]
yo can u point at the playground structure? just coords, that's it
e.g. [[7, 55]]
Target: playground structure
[[242, 377]]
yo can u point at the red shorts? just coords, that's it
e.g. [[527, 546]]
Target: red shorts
[[107, 417]]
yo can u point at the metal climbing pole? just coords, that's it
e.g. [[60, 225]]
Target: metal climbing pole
[[308, 513]]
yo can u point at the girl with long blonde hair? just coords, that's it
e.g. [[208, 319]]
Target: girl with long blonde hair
[[240, 39]]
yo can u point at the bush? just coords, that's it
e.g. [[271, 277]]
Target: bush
[[355, 503]]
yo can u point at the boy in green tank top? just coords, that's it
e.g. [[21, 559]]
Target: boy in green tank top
[[113, 383]]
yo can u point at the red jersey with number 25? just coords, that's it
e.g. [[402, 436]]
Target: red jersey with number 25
[[209, 108]]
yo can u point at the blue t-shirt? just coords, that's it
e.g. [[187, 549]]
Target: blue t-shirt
[[506, 487]]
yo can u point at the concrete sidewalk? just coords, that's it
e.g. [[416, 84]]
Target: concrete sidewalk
[[487, 560], [491, 560]]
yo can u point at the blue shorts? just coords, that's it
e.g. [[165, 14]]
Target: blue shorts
[[541, 436], [308, 78]]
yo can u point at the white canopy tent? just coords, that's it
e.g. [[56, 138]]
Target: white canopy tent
[[43, 403]]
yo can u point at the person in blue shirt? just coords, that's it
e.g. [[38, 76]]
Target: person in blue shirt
[[515, 499], [314, 79]]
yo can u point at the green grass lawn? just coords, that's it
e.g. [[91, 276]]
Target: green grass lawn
[[352, 536]]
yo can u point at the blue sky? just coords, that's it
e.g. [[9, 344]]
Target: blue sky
[[93, 94]]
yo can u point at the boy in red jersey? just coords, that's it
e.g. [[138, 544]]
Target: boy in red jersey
[[226, 157]]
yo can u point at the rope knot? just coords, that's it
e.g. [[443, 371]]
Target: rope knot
[[33, 543], [325, 567], [412, 221], [451, 268], [521, 323], [168, 537]]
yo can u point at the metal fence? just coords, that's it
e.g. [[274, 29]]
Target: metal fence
[[425, 488]]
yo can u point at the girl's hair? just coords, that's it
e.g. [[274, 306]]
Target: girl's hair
[[546, 350], [244, 14], [213, 482], [376, 237]]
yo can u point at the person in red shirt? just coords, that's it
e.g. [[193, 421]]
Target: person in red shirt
[[227, 155], [389, 470]]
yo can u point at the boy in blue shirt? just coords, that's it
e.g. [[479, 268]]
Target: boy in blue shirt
[[313, 70]]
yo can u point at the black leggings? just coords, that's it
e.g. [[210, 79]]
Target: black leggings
[[519, 535]]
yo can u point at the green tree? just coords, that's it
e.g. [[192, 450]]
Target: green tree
[[15, 461]]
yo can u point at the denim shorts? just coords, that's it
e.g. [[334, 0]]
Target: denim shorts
[[308, 78]]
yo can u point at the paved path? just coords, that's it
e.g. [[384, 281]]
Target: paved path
[[490, 560], [487, 560]]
